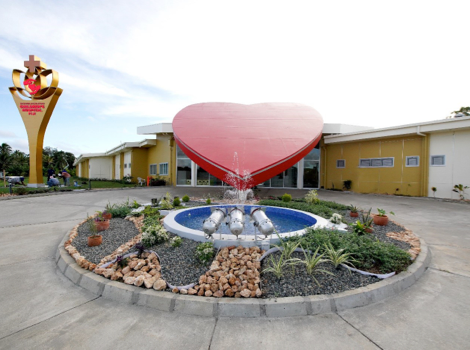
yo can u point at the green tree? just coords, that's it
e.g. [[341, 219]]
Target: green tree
[[5, 158], [19, 163], [462, 112]]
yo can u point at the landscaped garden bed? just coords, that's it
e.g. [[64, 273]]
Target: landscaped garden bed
[[139, 251]]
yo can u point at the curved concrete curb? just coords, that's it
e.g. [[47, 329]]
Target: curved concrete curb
[[225, 307]]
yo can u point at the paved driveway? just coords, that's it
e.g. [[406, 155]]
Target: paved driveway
[[41, 309]]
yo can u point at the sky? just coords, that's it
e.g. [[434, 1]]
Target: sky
[[124, 64]]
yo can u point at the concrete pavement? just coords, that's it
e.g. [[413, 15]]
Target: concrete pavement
[[41, 308]]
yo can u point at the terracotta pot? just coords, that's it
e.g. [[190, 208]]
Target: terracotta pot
[[369, 230], [381, 220], [354, 215], [102, 225], [93, 241], [107, 216]]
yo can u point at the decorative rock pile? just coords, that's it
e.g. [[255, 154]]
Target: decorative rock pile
[[140, 271], [235, 272]]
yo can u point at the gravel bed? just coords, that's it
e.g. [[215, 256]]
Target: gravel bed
[[120, 231], [179, 265], [381, 231], [300, 283]]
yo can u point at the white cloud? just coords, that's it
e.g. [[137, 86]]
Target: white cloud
[[7, 134]]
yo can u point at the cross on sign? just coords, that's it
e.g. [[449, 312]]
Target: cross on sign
[[32, 64]]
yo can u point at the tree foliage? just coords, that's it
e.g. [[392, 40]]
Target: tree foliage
[[462, 112]]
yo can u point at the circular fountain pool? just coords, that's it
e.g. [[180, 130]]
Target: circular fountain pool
[[287, 222]]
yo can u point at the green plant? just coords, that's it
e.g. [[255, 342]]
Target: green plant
[[149, 211], [176, 202], [337, 257], [154, 234], [312, 262], [92, 226], [353, 209], [99, 217], [382, 212], [279, 263], [460, 189], [205, 252], [176, 241], [118, 210], [312, 197], [20, 191], [185, 198], [347, 184], [434, 189], [366, 219], [121, 261], [359, 228], [166, 202], [336, 218], [135, 205], [286, 197], [208, 201]]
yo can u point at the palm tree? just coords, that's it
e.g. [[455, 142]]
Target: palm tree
[[5, 158]]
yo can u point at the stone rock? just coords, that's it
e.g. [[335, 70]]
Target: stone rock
[[138, 273], [207, 286], [214, 287], [183, 291], [139, 281], [153, 272], [218, 294], [175, 290], [225, 286], [129, 274], [223, 280], [108, 273], [145, 269], [132, 264], [129, 280], [200, 292], [126, 270], [229, 292], [117, 275], [237, 295], [246, 293], [159, 284], [192, 291], [232, 281], [208, 293], [258, 293], [139, 265], [148, 282]]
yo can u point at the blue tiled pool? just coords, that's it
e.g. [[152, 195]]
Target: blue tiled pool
[[284, 220]]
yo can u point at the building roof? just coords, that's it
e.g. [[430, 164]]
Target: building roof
[[422, 129], [160, 128]]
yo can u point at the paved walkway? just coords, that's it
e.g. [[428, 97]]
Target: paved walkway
[[41, 309]]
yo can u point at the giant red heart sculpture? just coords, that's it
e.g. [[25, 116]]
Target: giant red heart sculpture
[[245, 145]]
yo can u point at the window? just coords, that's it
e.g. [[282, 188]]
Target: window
[[129, 165], [341, 163], [439, 160], [125, 165], [153, 169], [183, 168], [412, 161], [376, 162], [163, 169]]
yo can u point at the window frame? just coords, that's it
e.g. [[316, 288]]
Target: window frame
[[160, 169], [376, 166], [411, 166], [150, 169], [437, 155], [340, 160]]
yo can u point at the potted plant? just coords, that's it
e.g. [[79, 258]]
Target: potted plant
[[94, 239], [353, 211], [367, 221], [100, 222], [381, 218], [107, 215]]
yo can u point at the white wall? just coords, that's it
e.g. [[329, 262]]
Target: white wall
[[456, 148], [127, 162], [101, 167], [117, 167], [79, 169]]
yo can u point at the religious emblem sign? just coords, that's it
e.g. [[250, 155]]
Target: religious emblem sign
[[35, 99]]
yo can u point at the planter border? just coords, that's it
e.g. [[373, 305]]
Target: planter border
[[245, 308]]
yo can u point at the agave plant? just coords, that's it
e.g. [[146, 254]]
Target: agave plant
[[312, 262], [337, 257], [278, 264]]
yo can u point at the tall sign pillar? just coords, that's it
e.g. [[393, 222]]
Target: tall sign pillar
[[35, 100]]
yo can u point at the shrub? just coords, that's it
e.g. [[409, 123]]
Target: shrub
[[149, 211], [166, 202], [312, 197], [20, 191], [176, 202], [154, 234], [186, 198], [205, 252], [118, 210], [176, 241], [208, 201], [336, 219], [286, 197]]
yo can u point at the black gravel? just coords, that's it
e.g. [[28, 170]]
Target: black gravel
[[381, 231], [179, 265], [120, 231], [300, 283]]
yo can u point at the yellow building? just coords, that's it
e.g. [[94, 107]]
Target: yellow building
[[425, 159]]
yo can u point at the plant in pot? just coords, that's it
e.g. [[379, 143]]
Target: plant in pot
[[107, 215], [100, 222], [367, 220], [381, 218], [94, 239], [353, 211]]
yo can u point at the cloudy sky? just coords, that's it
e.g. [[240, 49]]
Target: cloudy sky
[[124, 64]]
